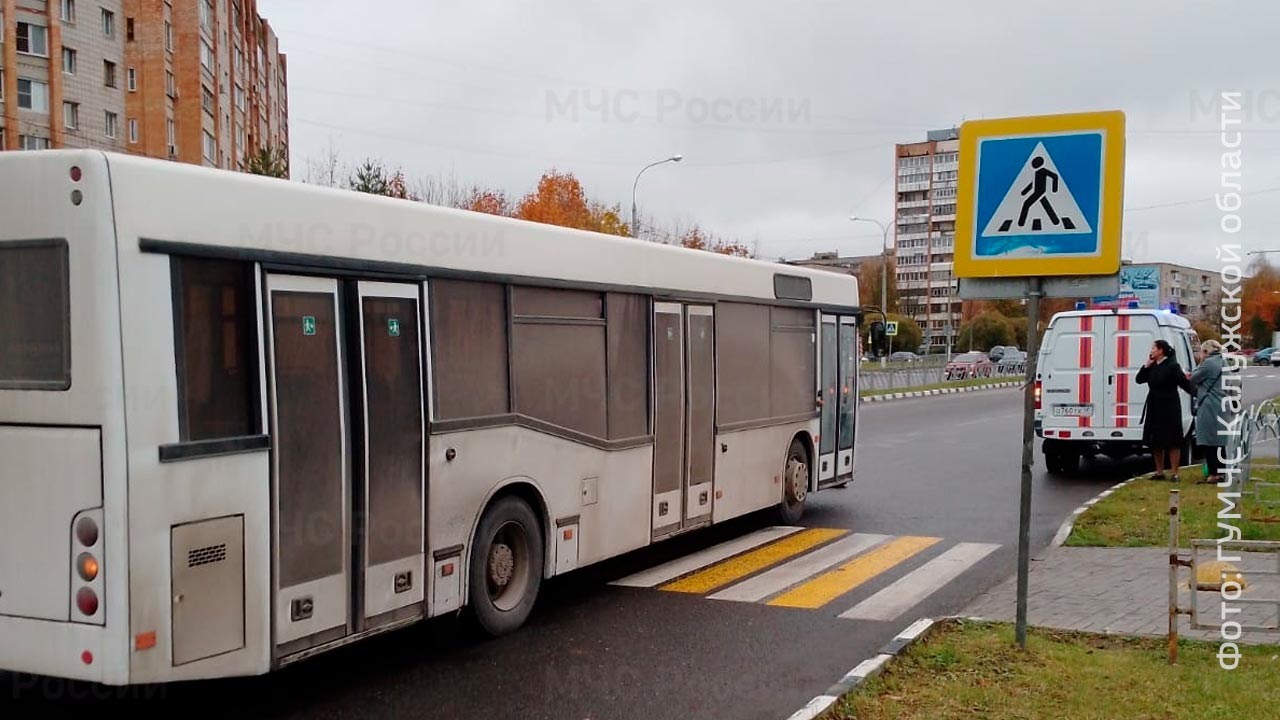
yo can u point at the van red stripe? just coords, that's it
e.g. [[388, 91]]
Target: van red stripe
[[1086, 364], [1122, 377]]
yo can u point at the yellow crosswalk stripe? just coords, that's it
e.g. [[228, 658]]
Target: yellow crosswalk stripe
[[727, 571], [831, 585]]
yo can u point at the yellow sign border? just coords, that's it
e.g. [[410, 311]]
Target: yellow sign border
[[1110, 215]]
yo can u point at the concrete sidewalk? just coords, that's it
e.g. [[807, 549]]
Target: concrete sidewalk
[[1125, 591]]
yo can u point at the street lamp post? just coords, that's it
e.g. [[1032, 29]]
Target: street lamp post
[[635, 225], [884, 269]]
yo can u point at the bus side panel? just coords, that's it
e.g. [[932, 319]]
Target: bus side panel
[[166, 495], [749, 472], [37, 204], [610, 490]]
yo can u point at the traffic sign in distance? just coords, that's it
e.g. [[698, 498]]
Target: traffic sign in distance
[[891, 328], [1040, 196]]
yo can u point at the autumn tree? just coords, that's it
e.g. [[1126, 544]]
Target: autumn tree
[[492, 202], [1260, 301], [695, 238], [1206, 330], [869, 278], [986, 331], [560, 200]]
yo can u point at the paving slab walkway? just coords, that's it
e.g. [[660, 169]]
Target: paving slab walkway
[[1125, 591]]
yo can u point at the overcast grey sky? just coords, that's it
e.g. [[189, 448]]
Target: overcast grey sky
[[499, 92]]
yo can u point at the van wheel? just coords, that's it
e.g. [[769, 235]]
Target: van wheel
[[507, 560], [795, 484]]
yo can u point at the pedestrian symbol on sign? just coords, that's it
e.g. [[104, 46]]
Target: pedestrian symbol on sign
[[308, 325], [891, 328], [393, 327], [1038, 202]]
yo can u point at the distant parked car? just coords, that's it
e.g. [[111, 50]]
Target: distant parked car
[[904, 357], [1013, 362], [1264, 356], [969, 365], [998, 352]]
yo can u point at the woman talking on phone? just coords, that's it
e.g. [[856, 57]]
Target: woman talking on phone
[[1162, 418]]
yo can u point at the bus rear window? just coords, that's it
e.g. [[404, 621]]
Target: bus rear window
[[35, 316]]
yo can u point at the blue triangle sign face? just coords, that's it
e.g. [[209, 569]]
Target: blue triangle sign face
[[1038, 202]]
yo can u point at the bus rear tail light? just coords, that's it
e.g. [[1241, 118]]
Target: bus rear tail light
[[87, 602], [87, 552]]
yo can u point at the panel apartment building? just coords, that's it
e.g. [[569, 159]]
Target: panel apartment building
[[196, 81], [924, 234]]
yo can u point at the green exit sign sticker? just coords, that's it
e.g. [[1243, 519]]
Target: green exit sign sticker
[[393, 327], [308, 324]]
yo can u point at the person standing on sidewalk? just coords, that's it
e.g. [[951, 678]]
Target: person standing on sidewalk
[[1206, 383], [1162, 416]]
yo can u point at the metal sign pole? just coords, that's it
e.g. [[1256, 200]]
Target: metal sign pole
[[1028, 456]]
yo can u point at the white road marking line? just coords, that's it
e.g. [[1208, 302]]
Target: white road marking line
[[696, 561], [919, 584], [802, 568]]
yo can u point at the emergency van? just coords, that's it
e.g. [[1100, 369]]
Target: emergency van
[[1087, 399]]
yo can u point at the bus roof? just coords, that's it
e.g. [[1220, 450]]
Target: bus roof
[[175, 207]]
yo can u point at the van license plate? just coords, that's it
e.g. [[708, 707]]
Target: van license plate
[[1073, 410]]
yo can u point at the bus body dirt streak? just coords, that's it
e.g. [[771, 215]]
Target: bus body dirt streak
[[245, 421]]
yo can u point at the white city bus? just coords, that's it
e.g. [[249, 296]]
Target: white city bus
[[244, 421]]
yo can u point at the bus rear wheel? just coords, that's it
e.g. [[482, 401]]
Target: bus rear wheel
[[506, 567], [795, 483]]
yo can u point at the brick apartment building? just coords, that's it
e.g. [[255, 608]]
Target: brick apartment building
[[925, 233], [197, 81]]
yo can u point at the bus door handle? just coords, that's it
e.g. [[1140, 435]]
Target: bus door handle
[[724, 447]]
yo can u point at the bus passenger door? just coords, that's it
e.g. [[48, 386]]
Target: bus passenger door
[[847, 422], [683, 416], [830, 363], [391, 482], [310, 476]]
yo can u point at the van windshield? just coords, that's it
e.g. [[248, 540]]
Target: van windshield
[[35, 316]]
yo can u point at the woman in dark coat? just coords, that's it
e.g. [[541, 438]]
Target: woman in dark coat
[[1162, 419]]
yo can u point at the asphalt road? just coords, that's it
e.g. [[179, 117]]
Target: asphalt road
[[945, 467]]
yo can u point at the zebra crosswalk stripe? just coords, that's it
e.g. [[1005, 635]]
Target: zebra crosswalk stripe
[[919, 584], [736, 568], [654, 577], [784, 576], [830, 585]]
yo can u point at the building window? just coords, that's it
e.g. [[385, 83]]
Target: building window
[[71, 115], [133, 130], [206, 99], [133, 79], [33, 39], [239, 98], [216, 349], [108, 23], [128, 29], [68, 11], [68, 61], [112, 121], [210, 147], [170, 84], [33, 95], [1, 81], [32, 142], [168, 36], [108, 73], [206, 56], [206, 15]]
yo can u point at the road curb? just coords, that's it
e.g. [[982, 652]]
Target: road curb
[[1064, 531], [867, 669], [886, 397]]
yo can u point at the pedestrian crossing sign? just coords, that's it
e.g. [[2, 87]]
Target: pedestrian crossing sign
[[1040, 196]]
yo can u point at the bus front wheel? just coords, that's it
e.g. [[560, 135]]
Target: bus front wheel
[[795, 483], [506, 566]]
